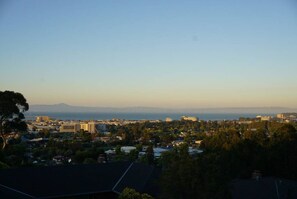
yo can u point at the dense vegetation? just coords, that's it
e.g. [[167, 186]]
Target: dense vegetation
[[231, 149], [227, 155]]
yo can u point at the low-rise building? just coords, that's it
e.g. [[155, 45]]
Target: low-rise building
[[266, 118], [127, 149], [168, 119], [93, 127], [70, 128], [189, 118], [287, 116], [43, 118]]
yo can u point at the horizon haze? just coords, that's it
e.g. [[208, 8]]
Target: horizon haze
[[66, 108]]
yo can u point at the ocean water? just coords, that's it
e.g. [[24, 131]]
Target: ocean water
[[135, 116]]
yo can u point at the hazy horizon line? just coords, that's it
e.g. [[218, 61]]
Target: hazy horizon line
[[163, 107]]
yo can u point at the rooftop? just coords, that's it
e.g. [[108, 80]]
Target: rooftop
[[73, 180]]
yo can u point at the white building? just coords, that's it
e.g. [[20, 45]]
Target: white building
[[127, 149], [187, 118]]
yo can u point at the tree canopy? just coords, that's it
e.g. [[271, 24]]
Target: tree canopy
[[12, 107], [129, 193], [228, 155]]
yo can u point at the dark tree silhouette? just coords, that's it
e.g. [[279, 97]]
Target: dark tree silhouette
[[12, 107], [150, 154]]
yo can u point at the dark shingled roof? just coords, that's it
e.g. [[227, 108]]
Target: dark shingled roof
[[264, 188], [138, 182], [71, 180]]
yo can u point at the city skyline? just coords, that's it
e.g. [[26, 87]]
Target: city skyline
[[168, 54]]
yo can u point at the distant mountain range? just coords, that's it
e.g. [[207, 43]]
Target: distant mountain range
[[65, 108]]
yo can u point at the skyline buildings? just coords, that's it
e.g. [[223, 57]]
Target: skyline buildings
[[158, 54]]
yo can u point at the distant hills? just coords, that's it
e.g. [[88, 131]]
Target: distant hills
[[65, 108]]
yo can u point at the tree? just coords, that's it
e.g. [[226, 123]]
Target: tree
[[129, 193], [259, 136], [286, 132], [133, 155], [12, 107], [150, 154], [3, 165], [89, 161]]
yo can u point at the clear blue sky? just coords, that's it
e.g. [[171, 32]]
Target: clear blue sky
[[161, 53]]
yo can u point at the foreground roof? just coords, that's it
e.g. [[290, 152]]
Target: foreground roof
[[264, 188], [74, 180]]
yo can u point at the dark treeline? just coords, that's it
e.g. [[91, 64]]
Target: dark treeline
[[230, 154]]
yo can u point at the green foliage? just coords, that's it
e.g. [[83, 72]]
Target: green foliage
[[259, 136], [186, 177], [45, 133], [81, 155], [222, 140], [129, 193], [14, 155], [89, 161], [139, 147], [150, 154], [118, 150], [227, 155], [160, 132], [286, 132], [12, 107], [133, 155], [3, 165], [177, 180]]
